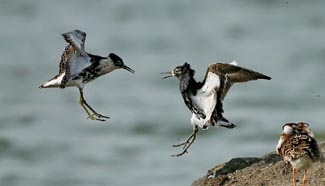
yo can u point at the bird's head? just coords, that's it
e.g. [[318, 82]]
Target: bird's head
[[180, 71], [289, 128], [297, 128], [118, 62], [303, 127]]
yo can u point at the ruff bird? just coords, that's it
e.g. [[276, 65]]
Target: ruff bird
[[204, 99], [298, 146], [77, 68]]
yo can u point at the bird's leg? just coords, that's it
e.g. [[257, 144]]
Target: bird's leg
[[82, 103], [185, 142], [95, 113], [294, 170], [305, 178], [85, 105], [186, 145]]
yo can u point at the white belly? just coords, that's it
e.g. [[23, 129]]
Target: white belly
[[206, 99], [206, 102]]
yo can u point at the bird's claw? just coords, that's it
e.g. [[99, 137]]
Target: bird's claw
[[179, 154], [96, 116]]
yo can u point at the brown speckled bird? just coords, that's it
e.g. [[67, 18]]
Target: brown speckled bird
[[298, 146]]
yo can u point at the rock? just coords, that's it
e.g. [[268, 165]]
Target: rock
[[269, 170]]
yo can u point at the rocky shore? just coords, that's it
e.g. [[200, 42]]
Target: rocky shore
[[260, 171]]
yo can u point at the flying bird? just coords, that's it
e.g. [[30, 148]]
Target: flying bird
[[77, 68], [204, 99], [298, 146]]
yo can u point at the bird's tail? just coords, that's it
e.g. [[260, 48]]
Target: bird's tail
[[55, 82], [223, 122]]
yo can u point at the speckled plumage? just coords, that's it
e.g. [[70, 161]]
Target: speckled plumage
[[77, 68], [298, 146]]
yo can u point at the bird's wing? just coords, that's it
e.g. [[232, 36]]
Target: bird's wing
[[75, 56], [300, 145], [230, 74], [226, 74], [77, 39], [75, 65], [64, 58], [315, 150]]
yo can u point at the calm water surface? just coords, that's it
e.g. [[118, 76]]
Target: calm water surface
[[45, 138]]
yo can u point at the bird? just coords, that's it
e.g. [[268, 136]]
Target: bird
[[298, 146], [204, 99], [78, 67]]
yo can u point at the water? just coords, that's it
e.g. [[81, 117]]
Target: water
[[45, 138]]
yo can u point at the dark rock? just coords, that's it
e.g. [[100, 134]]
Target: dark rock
[[269, 170]]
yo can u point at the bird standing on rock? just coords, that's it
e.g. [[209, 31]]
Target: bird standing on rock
[[298, 146], [77, 67], [204, 99]]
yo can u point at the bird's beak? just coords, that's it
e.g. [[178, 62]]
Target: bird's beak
[[169, 74], [128, 69]]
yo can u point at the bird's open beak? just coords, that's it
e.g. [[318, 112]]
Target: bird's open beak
[[128, 69], [169, 74]]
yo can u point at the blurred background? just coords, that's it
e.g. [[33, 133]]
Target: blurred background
[[45, 138]]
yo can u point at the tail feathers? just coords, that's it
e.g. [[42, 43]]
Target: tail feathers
[[223, 122], [45, 85], [55, 82]]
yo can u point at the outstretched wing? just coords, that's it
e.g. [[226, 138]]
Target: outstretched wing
[[230, 74], [77, 59], [77, 39]]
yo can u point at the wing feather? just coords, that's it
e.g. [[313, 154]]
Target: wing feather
[[64, 58], [77, 39], [75, 59], [230, 74]]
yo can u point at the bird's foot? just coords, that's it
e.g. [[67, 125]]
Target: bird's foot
[[101, 116], [98, 117], [180, 154], [186, 145]]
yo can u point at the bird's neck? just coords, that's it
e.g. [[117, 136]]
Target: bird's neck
[[188, 84], [105, 66]]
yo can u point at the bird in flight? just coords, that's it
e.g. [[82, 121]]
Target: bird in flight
[[204, 99], [77, 67], [298, 146]]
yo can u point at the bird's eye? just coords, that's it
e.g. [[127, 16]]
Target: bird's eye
[[118, 63], [177, 70]]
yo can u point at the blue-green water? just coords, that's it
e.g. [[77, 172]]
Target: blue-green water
[[45, 138]]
